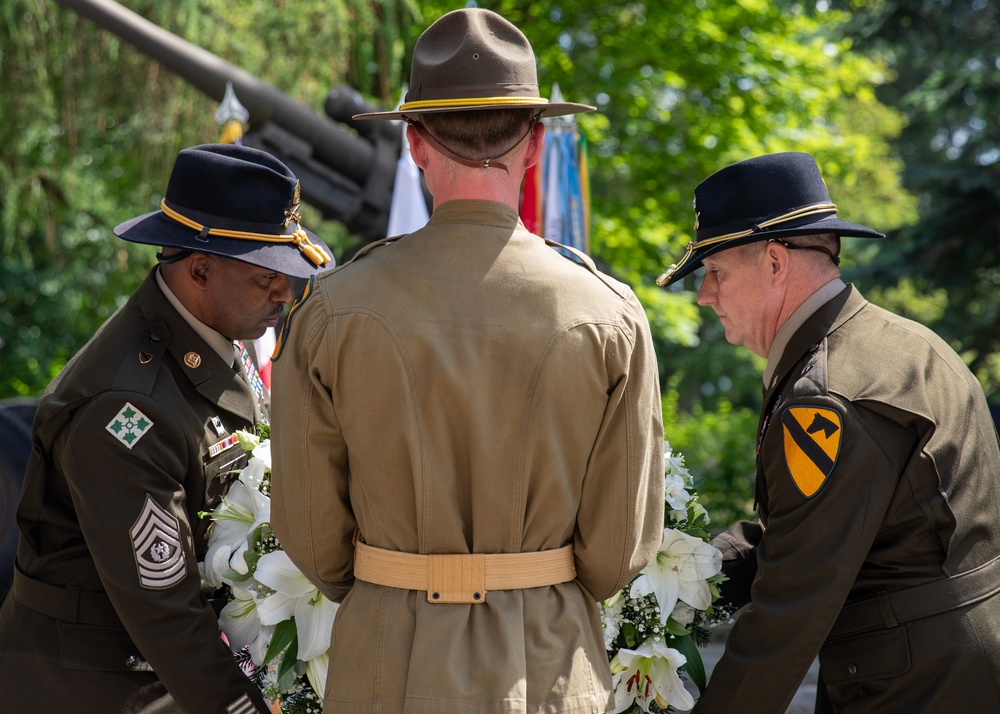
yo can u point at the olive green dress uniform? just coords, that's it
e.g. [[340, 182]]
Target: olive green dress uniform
[[878, 486], [467, 389], [107, 613]]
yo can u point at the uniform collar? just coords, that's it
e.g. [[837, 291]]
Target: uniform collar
[[213, 338], [477, 212], [811, 304]]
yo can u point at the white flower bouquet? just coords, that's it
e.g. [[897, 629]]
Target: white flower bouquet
[[654, 626], [276, 621]]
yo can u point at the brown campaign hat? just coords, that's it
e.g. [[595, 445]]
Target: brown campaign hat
[[473, 59]]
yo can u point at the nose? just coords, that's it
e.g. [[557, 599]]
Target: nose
[[281, 289], [707, 293]]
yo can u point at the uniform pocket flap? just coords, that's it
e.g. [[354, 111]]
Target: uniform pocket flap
[[874, 655], [95, 648]]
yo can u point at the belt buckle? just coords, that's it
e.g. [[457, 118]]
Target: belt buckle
[[456, 579]]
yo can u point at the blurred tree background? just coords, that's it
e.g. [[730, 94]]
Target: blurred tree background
[[898, 100]]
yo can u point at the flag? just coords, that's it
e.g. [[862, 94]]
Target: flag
[[408, 209], [558, 205]]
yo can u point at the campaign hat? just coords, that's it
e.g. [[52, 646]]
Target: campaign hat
[[771, 196], [473, 59], [235, 201]]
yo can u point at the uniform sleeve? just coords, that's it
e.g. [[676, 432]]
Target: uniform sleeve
[[620, 520], [738, 546], [126, 461], [811, 551], [309, 481]]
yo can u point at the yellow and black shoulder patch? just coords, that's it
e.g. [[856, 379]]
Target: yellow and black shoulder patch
[[813, 437], [283, 335]]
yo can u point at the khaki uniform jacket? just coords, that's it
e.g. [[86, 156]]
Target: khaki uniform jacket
[[109, 521], [912, 497], [467, 389]]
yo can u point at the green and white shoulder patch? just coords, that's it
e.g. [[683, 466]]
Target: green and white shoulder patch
[[129, 425]]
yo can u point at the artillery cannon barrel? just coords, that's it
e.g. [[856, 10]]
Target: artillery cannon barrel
[[331, 144]]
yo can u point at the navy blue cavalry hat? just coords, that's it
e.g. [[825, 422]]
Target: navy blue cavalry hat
[[771, 196], [234, 201]]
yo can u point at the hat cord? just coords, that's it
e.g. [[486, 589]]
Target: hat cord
[[312, 252], [482, 164], [805, 211]]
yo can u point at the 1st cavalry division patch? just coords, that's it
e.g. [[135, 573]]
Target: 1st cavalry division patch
[[812, 440]]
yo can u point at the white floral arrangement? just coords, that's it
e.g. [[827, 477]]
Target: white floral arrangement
[[276, 621], [654, 626], [278, 624]]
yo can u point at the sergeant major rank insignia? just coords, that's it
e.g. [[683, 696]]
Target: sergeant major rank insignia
[[156, 540], [812, 440]]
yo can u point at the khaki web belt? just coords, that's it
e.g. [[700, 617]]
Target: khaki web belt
[[463, 578]]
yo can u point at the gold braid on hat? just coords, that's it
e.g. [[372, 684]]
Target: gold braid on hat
[[298, 237], [811, 210]]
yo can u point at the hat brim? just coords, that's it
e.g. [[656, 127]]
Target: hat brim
[[548, 109], [825, 225], [156, 229]]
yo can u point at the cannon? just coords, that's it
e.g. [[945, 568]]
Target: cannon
[[347, 176]]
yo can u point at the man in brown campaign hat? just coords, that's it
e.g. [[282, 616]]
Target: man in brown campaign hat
[[878, 540], [134, 438], [468, 447]]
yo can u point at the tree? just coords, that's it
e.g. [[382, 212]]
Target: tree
[[945, 267], [682, 88]]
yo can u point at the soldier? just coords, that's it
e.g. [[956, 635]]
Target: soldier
[[878, 541], [467, 435], [134, 438]]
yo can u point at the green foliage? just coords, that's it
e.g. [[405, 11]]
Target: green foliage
[[91, 126], [719, 450], [946, 81]]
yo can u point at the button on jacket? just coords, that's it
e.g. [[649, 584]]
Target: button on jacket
[[467, 389], [912, 497], [110, 528]]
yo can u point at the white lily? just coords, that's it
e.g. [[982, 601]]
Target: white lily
[[316, 670], [679, 571], [611, 618], [241, 624], [295, 596], [675, 492], [648, 674], [242, 510]]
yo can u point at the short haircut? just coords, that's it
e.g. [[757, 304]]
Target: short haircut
[[478, 134]]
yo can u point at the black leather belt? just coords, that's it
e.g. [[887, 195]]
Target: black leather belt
[[890, 609], [70, 604]]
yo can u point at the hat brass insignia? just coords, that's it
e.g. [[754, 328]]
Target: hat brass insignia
[[292, 214], [812, 442]]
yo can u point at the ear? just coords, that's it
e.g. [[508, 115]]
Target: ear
[[418, 149], [536, 145], [199, 265], [777, 259]]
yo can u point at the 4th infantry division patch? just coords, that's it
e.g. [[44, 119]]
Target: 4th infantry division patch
[[812, 440], [129, 425]]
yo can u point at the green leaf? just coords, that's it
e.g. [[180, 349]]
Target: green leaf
[[631, 636], [695, 667], [284, 635], [291, 654]]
